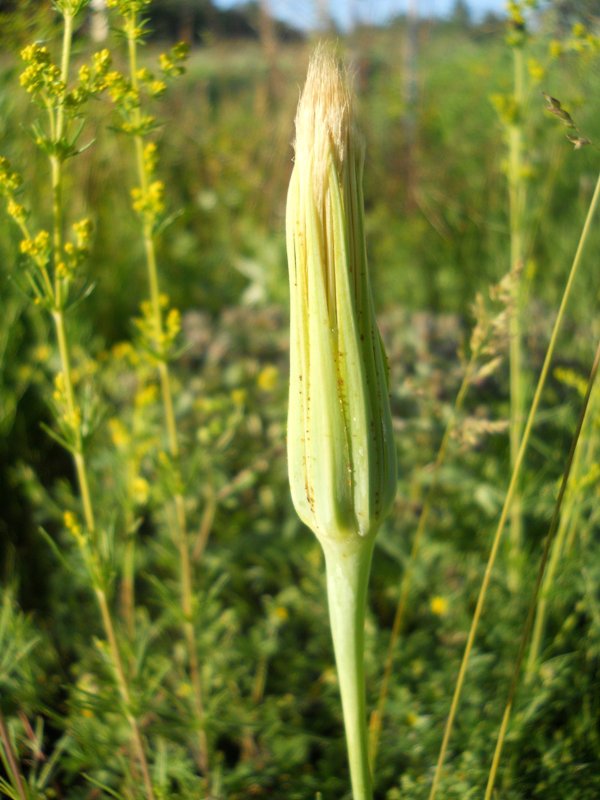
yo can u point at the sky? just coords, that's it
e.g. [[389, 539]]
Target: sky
[[304, 14]]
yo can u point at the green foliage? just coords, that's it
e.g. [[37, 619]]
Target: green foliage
[[217, 154]]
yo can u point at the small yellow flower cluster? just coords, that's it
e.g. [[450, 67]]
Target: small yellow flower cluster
[[150, 158], [120, 90], [118, 433], [506, 108], [139, 127], [439, 606], [146, 78], [157, 337], [239, 397], [59, 388], [124, 351], [515, 12], [73, 525], [140, 490], [150, 203], [41, 78], [582, 40], [91, 79], [156, 88], [37, 248], [518, 32], [281, 614], [536, 70], [127, 7], [83, 231], [173, 325], [173, 62], [69, 418], [76, 251], [146, 396], [268, 378], [9, 180], [555, 48], [16, 211], [125, 94]]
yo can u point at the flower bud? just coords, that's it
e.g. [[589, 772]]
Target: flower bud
[[341, 455]]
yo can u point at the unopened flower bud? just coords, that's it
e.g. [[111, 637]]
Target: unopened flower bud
[[341, 455]]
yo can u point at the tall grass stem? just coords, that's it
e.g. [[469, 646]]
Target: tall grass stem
[[538, 584], [376, 720], [511, 489], [569, 523], [517, 208]]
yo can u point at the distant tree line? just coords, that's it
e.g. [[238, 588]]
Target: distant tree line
[[194, 21], [198, 21]]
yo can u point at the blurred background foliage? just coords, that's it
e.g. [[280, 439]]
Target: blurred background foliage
[[431, 108]]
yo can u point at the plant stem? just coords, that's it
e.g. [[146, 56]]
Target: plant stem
[[517, 207], [540, 576], [593, 445], [569, 522], [123, 687], [512, 487], [58, 316], [542, 605], [181, 537], [11, 765], [376, 721], [348, 564], [128, 585]]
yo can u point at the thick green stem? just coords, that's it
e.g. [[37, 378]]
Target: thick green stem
[[348, 564]]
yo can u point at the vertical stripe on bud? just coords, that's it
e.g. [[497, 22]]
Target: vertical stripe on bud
[[341, 455]]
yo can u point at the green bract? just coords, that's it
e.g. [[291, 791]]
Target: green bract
[[341, 457]]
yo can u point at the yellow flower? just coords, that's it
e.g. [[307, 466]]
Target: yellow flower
[[439, 606], [267, 378], [118, 433], [140, 490], [238, 396]]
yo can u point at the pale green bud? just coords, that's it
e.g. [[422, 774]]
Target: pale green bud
[[341, 456]]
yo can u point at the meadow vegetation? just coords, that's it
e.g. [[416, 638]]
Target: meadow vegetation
[[163, 621]]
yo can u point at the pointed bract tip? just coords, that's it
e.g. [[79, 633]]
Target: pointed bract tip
[[324, 116]]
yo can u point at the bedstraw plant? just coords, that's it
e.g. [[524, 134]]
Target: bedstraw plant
[[53, 275], [159, 325]]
